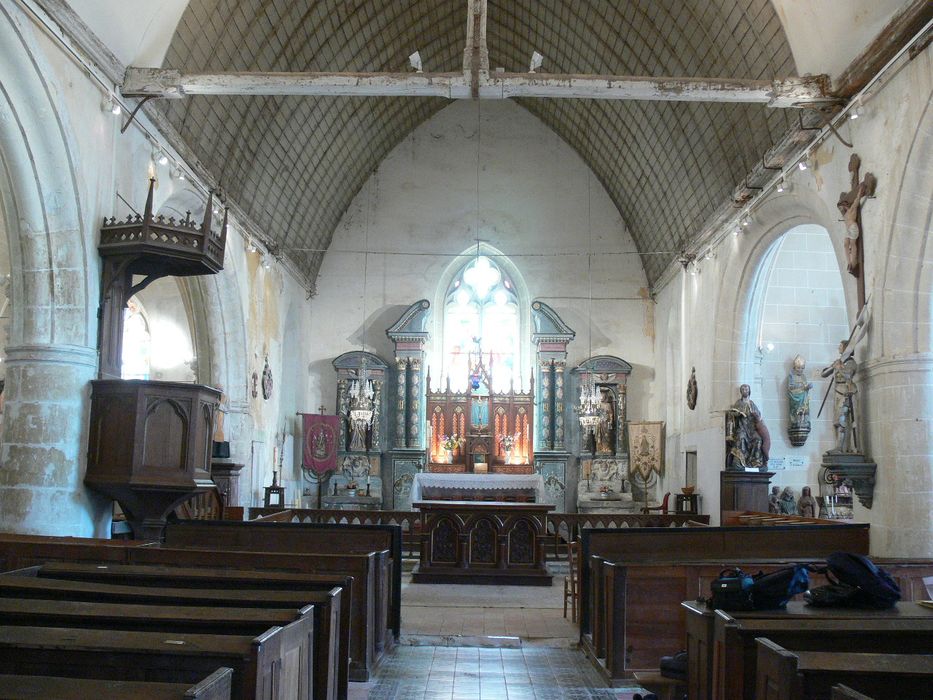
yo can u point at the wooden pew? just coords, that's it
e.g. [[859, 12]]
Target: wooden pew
[[907, 629], [700, 627], [215, 687], [297, 636], [636, 609], [17, 551], [331, 661], [744, 543], [308, 538], [145, 656], [809, 675], [844, 692]]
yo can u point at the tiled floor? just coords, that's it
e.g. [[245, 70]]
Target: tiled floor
[[432, 673], [545, 666]]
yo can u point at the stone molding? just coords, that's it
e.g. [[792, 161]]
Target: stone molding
[[922, 363], [52, 354]]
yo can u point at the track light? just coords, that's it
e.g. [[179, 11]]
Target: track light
[[111, 105], [736, 231], [158, 156], [266, 262], [780, 186], [250, 246], [536, 61], [802, 165], [415, 61], [746, 220], [178, 174]]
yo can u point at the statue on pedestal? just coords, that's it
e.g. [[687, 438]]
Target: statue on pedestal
[[798, 398], [747, 438], [788, 502], [844, 389], [807, 505]]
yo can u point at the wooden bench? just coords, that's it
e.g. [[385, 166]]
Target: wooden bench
[[844, 692], [700, 630], [16, 687], [810, 675], [297, 636], [735, 651], [308, 538], [331, 618], [145, 656], [18, 551]]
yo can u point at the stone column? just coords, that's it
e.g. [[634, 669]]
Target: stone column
[[897, 409], [45, 443]]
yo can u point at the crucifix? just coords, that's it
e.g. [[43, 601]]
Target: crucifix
[[850, 206]]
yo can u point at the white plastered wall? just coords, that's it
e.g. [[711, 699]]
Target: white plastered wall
[[538, 203], [893, 136]]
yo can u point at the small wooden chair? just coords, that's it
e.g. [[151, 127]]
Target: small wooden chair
[[661, 508], [572, 581]]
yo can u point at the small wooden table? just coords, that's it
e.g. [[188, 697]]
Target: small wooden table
[[489, 542]]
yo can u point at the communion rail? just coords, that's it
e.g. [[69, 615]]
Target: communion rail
[[561, 527]]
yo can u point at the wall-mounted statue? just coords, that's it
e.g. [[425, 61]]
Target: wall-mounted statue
[[692, 389], [850, 206], [798, 399], [844, 389], [774, 500], [748, 441]]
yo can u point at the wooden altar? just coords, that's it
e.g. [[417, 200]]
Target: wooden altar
[[493, 543], [484, 421]]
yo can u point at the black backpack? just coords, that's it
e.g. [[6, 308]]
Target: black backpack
[[736, 590], [854, 582]]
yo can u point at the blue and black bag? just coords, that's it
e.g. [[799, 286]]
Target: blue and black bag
[[854, 582], [732, 590], [772, 591]]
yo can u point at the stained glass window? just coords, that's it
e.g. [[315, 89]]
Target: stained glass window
[[481, 316]]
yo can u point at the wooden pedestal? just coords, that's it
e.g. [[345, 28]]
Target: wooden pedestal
[[744, 491]]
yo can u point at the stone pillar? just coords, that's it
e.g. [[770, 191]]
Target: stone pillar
[[897, 405], [409, 334], [552, 461], [45, 441]]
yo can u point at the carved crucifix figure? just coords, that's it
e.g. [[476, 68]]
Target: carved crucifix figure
[[850, 206]]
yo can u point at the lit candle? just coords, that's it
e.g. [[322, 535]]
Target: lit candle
[[367, 479]]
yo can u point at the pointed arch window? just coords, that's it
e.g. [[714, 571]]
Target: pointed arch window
[[481, 315]]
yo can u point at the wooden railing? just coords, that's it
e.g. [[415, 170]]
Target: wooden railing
[[561, 527]]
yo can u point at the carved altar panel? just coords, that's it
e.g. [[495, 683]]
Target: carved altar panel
[[484, 422]]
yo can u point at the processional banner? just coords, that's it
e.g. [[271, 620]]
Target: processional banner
[[320, 442], [646, 447]]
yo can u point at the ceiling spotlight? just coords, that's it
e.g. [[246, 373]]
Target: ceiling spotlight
[[415, 61], [266, 262], [745, 220], [709, 254], [694, 268], [178, 173], [736, 231], [802, 165], [250, 246], [536, 61], [780, 187], [158, 156], [111, 105], [857, 111]]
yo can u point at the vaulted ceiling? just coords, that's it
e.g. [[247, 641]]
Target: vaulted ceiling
[[295, 163]]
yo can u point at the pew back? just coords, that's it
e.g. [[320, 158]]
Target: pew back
[[17, 687]]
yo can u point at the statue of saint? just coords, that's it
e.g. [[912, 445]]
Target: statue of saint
[[788, 502], [842, 371], [747, 437], [605, 428], [798, 399], [774, 500], [807, 505]]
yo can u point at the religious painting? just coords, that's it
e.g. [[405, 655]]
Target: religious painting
[[646, 448], [320, 442]]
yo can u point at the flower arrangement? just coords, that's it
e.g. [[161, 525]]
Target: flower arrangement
[[508, 441], [451, 442], [605, 489], [351, 486]]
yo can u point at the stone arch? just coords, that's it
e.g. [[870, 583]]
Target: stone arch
[[733, 318], [907, 305], [52, 351]]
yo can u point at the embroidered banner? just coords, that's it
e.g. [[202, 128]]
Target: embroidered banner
[[320, 442], [646, 447]]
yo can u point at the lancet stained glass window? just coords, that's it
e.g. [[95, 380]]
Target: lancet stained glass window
[[481, 315]]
